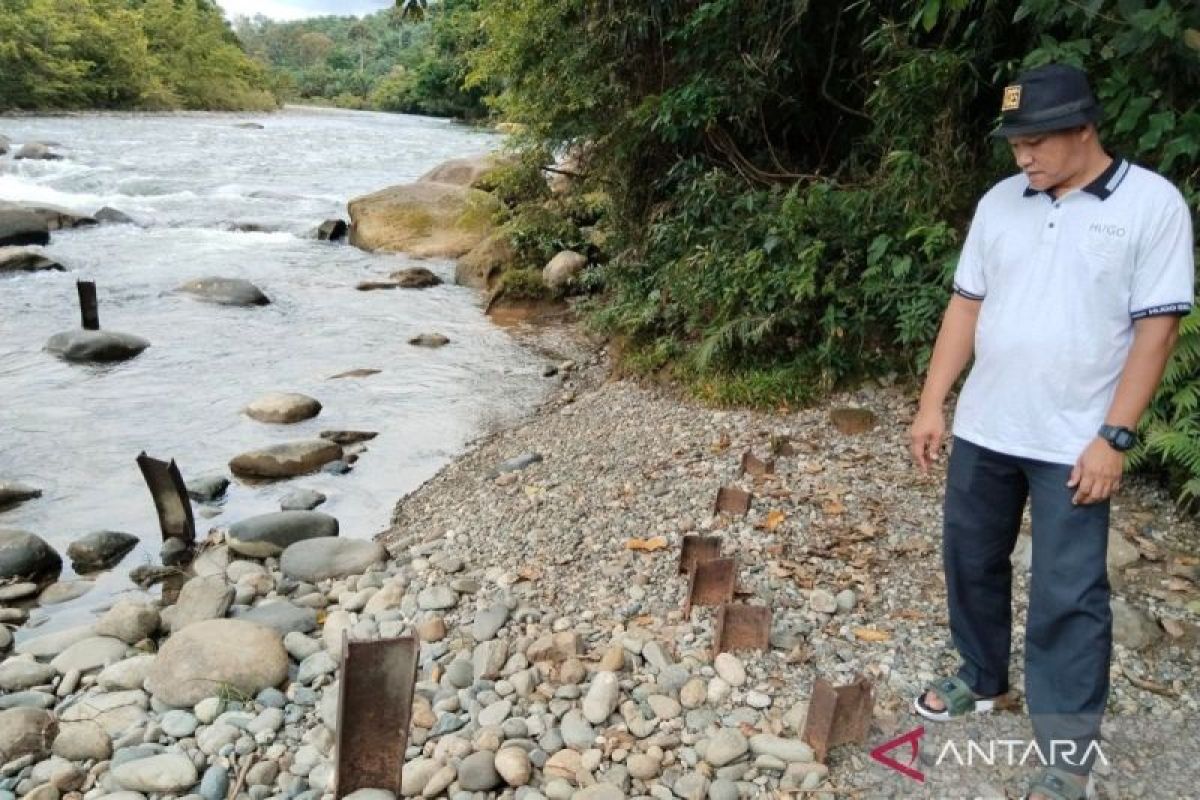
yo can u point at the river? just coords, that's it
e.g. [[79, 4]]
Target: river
[[194, 182]]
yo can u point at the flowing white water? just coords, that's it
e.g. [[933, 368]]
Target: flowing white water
[[191, 181]]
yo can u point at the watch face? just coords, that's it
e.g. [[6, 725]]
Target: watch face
[[1124, 440]]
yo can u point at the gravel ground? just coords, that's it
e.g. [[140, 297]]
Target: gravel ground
[[841, 542]]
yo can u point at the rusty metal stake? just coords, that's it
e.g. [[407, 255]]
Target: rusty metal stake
[[712, 583], [170, 499], [375, 701], [732, 500], [742, 627], [755, 467], [697, 548], [89, 309], [837, 715]]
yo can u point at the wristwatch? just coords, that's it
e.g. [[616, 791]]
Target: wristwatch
[[1120, 438]]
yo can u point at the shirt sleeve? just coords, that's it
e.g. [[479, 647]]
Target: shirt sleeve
[[969, 280], [1164, 273]]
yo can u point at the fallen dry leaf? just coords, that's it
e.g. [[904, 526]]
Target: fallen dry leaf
[[646, 545], [872, 635], [774, 519]]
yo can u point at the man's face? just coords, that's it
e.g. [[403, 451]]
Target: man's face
[[1050, 159]]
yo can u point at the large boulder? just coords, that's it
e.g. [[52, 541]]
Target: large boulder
[[21, 259], [26, 556], [100, 550], [427, 220], [56, 218], [36, 151], [285, 460], [270, 534], [207, 488], [20, 227], [217, 656], [95, 346], [332, 230], [226, 291], [13, 493], [481, 268], [415, 278], [563, 268], [470, 172], [283, 408], [318, 559], [26, 732]]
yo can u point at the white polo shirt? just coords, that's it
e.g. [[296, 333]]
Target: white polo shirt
[[1062, 282]]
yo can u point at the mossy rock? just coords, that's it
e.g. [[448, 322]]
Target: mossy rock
[[429, 220], [483, 266]]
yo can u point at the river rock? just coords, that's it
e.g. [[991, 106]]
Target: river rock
[[286, 460], [320, 559], [13, 493], [349, 437], [562, 269], [26, 731], [202, 658], [332, 230], [129, 620], [432, 340], [169, 772], [488, 623], [283, 408], [90, 654], [472, 171], [730, 668], [36, 151], [270, 534], [64, 592], [427, 220], [281, 616], [115, 712], [602, 697], [512, 763], [81, 741], [111, 216], [725, 746], [58, 218], [789, 750], [202, 598], [49, 645], [477, 772], [225, 291], [26, 556], [415, 278], [126, 675], [19, 674], [21, 259], [301, 500], [95, 346], [100, 550], [5, 143], [481, 268], [19, 227]]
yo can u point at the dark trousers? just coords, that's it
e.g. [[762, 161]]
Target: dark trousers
[[1068, 637]]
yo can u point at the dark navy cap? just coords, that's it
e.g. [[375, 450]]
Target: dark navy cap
[[1055, 97]]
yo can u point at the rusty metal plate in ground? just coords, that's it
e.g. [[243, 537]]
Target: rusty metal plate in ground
[[837, 715], [732, 500], [755, 467], [712, 583], [375, 700], [170, 499], [697, 548], [742, 627]]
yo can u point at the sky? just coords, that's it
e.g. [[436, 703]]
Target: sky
[[298, 9]]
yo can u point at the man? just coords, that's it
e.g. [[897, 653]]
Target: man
[[1068, 291]]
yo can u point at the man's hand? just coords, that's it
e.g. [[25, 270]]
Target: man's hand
[[1097, 473], [925, 436]]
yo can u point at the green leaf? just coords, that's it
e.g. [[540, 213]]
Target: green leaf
[[929, 15], [1191, 37]]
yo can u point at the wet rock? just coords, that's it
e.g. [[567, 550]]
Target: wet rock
[[26, 732], [415, 278], [286, 460], [356, 373], [270, 534], [562, 269], [320, 559], [86, 346], [429, 340], [19, 227], [100, 550], [332, 230], [64, 592], [301, 500], [250, 126], [13, 493], [348, 437], [58, 218], [111, 216], [208, 488], [36, 151], [283, 408], [26, 556], [20, 259], [200, 659]]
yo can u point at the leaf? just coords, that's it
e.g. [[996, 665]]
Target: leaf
[[1191, 37], [872, 635], [646, 545], [774, 519], [929, 15]]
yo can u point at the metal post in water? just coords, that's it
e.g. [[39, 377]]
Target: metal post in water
[[88, 307]]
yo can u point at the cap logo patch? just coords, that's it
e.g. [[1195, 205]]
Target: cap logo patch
[[1012, 98]]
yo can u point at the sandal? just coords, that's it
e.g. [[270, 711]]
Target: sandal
[[1057, 784], [957, 698]]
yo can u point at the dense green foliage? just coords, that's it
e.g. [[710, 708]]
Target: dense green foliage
[[60, 54], [387, 61], [791, 180]]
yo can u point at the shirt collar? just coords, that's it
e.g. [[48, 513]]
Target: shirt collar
[[1105, 183]]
